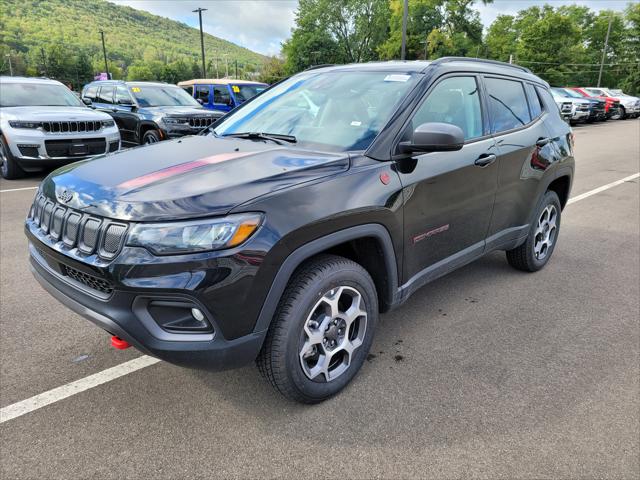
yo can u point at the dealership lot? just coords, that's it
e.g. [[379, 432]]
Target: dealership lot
[[488, 372]]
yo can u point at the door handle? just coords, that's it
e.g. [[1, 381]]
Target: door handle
[[542, 142], [485, 159]]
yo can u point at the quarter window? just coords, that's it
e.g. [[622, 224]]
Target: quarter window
[[221, 95], [202, 93], [507, 104], [456, 101], [91, 93], [105, 95], [535, 106]]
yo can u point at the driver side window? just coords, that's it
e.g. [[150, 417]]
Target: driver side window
[[454, 100]]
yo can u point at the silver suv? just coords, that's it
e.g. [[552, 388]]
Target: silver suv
[[43, 124]]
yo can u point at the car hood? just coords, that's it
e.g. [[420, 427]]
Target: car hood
[[55, 114], [172, 110], [186, 178]]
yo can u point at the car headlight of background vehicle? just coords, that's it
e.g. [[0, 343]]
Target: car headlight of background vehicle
[[195, 236], [108, 123], [18, 124]]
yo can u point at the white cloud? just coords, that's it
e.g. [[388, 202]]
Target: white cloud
[[262, 25]]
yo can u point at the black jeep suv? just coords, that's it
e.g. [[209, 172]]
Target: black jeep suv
[[147, 112], [285, 230]]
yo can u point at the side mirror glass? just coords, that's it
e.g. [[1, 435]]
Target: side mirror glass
[[200, 101], [87, 101], [434, 137]]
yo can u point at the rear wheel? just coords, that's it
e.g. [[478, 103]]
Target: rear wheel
[[9, 168], [536, 251], [322, 330]]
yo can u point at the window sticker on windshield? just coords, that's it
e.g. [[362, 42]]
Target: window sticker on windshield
[[135, 89], [355, 123], [236, 89], [397, 78]]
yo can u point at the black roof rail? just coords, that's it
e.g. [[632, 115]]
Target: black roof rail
[[322, 65], [479, 60]]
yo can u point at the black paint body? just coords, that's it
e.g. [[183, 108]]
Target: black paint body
[[433, 213]]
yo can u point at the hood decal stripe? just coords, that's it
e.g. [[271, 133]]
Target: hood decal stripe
[[178, 169]]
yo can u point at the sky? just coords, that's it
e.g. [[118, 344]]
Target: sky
[[262, 25]]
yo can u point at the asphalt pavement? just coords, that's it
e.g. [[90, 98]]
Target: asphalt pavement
[[486, 373]]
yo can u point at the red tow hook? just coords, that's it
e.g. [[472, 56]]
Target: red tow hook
[[120, 344]]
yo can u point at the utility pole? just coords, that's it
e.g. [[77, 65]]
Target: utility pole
[[236, 68], [44, 62], [226, 63], [199, 12], [8, 55], [511, 58], [104, 52], [604, 50], [403, 52]]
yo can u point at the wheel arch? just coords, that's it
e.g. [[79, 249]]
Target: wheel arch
[[145, 126], [361, 243]]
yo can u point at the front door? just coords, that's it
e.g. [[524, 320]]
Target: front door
[[448, 196], [124, 116]]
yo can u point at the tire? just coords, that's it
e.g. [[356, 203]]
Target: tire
[[536, 251], [9, 167], [150, 136], [619, 114], [294, 355]]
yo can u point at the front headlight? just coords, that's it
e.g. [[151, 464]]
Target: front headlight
[[15, 124], [108, 123], [196, 235]]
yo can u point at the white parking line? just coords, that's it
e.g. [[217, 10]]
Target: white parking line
[[17, 189], [47, 398], [582, 196], [52, 396]]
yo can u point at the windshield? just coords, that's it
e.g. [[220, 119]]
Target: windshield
[[572, 93], [245, 92], [559, 92], [339, 110], [37, 94], [162, 96], [617, 92]]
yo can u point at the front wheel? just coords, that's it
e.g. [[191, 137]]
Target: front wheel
[[9, 167], [536, 251], [618, 113], [150, 136], [322, 330]]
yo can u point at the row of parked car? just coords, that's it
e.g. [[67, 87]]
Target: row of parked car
[[582, 104], [43, 124]]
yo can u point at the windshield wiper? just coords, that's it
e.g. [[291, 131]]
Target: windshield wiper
[[278, 138]]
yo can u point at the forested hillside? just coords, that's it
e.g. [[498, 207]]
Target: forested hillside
[[61, 39]]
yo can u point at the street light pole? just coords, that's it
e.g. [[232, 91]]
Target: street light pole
[[104, 52], [403, 52], [604, 50], [199, 12]]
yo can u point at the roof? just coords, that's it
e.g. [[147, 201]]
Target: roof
[[7, 79], [467, 64], [219, 81], [133, 82]]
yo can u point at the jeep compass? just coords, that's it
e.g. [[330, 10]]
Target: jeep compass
[[282, 232]]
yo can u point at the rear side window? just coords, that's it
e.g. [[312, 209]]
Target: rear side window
[[547, 99], [122, 96], [202, 93], [507, 104], [221, 95], [105, 95], [535, 106], [91, 92], [454, 100]]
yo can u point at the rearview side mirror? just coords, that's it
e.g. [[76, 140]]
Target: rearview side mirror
[[200, 101], [434, 137], [87, 101]]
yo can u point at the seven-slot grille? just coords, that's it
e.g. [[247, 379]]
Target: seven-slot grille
[[201, 122], [72, 127], [566, 107], [90, 234]]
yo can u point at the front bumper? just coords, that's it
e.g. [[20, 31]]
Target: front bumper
[[124, 315], [34, 149]]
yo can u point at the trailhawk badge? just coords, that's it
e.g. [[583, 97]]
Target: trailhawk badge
[[65, 196]]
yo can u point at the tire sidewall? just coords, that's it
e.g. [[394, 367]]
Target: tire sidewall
[[150, 133], [298, 314], [549, 198]]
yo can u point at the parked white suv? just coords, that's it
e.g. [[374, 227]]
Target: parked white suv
[[43, 124], [629, 105]]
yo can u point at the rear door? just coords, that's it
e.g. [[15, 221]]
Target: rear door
[[124, 115], [448, 195], [525, 149]]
